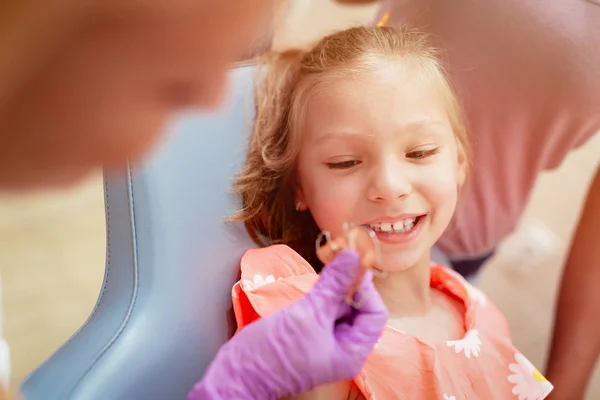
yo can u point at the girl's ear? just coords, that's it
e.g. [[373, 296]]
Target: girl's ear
[[299, 200]]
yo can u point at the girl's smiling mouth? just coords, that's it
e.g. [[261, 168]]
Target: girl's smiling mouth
[[398, 230]]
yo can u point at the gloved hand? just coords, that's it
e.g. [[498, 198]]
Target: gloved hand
[[317, 340]]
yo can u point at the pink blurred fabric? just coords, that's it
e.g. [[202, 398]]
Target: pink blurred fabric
[[527, 76]]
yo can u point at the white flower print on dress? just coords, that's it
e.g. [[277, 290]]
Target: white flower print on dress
[[446, 397], [257, 281], [529, 384], [470, 344]]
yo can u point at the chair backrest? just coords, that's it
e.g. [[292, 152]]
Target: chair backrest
[[165, 305]]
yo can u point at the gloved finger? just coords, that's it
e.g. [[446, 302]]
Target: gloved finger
[[372, 310], [361, 332], [372, 315], [368, 296], [336, 280], [346, 310]]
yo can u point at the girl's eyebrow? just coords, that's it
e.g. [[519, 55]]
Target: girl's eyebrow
[[419, 124], [411, 126], [340, 135]]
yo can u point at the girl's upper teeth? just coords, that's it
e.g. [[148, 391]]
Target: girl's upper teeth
[[398, 226]]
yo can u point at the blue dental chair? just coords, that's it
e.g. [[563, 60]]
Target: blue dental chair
[[165, 304]]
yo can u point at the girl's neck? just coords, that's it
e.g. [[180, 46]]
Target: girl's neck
[[407, 293]]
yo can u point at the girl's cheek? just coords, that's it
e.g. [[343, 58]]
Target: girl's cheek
[[331, 205], [442, 174]]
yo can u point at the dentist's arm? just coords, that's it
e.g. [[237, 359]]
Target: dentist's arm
[[576, 342]]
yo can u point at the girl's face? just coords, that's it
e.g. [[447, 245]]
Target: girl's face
[[378, 149]]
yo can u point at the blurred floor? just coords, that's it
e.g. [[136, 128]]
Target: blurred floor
[[52, 244]]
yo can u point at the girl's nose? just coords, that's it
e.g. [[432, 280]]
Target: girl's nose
[[389, 181]]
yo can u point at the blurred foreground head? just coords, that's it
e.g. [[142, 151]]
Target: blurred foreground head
[[85, 83]]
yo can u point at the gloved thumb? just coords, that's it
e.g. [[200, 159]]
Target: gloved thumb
[[338, 277]]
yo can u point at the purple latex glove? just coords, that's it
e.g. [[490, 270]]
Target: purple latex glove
[[317, 340]]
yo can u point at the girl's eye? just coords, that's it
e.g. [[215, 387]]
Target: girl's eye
[[343, 164], [423, 153]]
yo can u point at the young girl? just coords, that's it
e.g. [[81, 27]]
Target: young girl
[[364, 128]]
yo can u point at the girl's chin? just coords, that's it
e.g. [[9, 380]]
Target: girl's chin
[[403, 262]]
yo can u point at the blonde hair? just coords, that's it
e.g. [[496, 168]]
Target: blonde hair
[[266, 183]]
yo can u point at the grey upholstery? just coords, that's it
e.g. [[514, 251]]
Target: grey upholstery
[[165, 304]]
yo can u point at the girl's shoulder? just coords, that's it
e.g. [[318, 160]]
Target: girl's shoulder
[[271, 278], [273, 262], [483, 313]]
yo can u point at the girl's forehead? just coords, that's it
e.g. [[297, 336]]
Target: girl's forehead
[[366, 102]]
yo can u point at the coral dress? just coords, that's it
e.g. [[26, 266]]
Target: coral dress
[[483, 365]]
